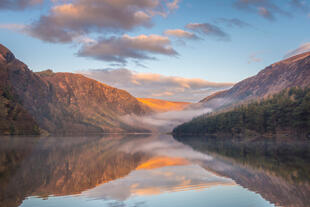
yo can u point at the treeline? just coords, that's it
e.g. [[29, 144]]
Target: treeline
[[285, 112]]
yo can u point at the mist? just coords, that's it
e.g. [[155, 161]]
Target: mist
[[164, 122]]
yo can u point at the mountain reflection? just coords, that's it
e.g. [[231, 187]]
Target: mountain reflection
[[59, 166], [67, 166], [119, 168], [278, 170]]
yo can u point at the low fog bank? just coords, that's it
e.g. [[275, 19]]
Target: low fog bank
[[164, 122]]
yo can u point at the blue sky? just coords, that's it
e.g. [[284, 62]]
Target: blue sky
[[272, 29]]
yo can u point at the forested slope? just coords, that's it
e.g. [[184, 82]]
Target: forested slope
[[287, 112]]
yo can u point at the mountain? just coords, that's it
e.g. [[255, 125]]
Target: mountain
[[14, 119], [208, 98], [276, 102], [159, 105], [66, 103], [291, 72]]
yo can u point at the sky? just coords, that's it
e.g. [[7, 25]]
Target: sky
[[192, 47]]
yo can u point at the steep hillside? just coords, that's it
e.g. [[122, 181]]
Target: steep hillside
[[14, 119], [64, 103], [159, 105], [208, 98], [92, 102], [294, 71]]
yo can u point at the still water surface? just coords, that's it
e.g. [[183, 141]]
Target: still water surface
[[152, 171]]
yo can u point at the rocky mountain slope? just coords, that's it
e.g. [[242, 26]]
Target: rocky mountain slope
[[159, 105], [14, 119], [65, 103], [291, 72]]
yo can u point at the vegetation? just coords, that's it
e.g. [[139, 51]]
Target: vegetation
[[289, 160], [285, 112]]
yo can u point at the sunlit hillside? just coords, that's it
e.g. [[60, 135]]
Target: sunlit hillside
[[162, 105]]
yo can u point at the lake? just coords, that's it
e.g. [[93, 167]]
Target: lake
[[153, 170]]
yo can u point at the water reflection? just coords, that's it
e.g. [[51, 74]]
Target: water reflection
[[158, 181], [277, 169], [143, 171]]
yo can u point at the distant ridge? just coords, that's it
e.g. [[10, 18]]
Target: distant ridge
[[159, 105]]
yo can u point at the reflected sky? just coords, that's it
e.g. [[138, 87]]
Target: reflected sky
[[157, 181], [131, 171]]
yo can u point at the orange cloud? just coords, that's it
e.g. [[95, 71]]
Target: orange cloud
[[180, 33], [66, 21]]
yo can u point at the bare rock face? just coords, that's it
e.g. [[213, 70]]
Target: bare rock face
[[292, 72], [66, 103]]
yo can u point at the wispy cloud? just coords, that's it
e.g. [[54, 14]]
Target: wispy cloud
[[301, 5], [233, 22], [254, 58], [120, 49], [208, 29], [18, 4], [180, 33], [266, 13], [152, 85], [173, 5], [301, 49], [265, 8], [15, 27]]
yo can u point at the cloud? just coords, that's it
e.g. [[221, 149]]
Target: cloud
[[254, 59], [265, 8], [16, 27], [302, 5], [173, 5], [234, 22], [266, 13], [301, 49], [80, 17], [208, 30], [152, 85], [180, 33], [120, 49], [18, 4]]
